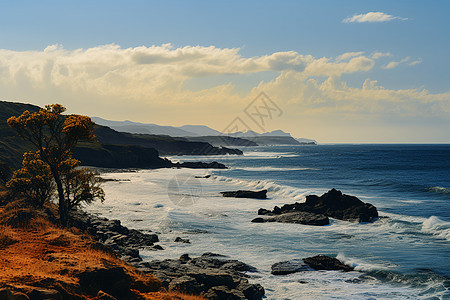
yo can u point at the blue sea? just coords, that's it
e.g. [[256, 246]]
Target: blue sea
[[405, 254]]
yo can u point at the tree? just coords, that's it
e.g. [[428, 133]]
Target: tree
[[55, 137], [33, 181], [81, 185]]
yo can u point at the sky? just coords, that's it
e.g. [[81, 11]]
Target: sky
[[334, 71]]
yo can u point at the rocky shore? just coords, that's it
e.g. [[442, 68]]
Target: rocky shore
[[213, 276]]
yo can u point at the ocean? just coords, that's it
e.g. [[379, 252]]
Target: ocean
[[405, 254]]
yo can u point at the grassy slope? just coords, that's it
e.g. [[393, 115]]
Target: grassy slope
[[42, 255]]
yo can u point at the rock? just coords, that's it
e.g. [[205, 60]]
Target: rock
[[251, 291], [101, 295], [323, 262], [213, 275], [205, 176], [44, 294], [186, 284], [185, 257], [181, 240], [259, 220], [6, 294], [113, 280], [289, 267], [246, 194], [300, 217], [332, 204], [200, 165], [222, 292]]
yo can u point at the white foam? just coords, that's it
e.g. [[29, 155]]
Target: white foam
[[293, 194], [437, 227], [439, 189], [263, 169]]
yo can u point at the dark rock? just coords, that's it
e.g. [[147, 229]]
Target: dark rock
[[181, 240], [113, 280], [200, 165], [205, 176], [246, 194], [185, 257], [300, 217], [263, 211], [186, 284], [259, 220], [288, 267], [323, 262], [332, 204], [157, 247], [6, 294], [340, 206], [222, 292], [251, 291], [214, 275], [44, 294], [101, 295]]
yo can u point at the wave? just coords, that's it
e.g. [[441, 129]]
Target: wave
[[262, 169], [260, 154], [295, 194], [437, 227], [439, 189]]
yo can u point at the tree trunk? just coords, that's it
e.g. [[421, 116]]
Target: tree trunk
[[63, 215]]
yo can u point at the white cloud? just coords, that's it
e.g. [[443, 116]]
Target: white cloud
[[406, 60], [378, 55], [150, 84], [371, 17]]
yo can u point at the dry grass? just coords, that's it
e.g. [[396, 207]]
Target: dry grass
[[35, 252]]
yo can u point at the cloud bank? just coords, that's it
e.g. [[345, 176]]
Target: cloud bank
[[372, 17], [151, 84]]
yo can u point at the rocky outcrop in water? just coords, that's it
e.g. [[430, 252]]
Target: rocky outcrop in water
[[315, 263], [299, 217], [332, 204], [246, 194], [211, 275]]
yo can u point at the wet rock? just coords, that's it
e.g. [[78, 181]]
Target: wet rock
[[304, 218], [214, 275], [181, 240], [315, 263], [289, 267], [246, 194], [332, 204], [323, 262]]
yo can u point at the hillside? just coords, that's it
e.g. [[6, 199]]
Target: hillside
[[112, 148]]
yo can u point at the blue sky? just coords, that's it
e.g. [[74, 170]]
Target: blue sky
[[416, 42]]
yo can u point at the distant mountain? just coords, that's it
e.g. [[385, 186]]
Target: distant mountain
[[149, 128], [200, 130], [143, 128]]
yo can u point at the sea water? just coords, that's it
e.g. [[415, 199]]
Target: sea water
[[405, 254]]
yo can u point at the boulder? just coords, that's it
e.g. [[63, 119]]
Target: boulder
[[186, 284], [212, 275], [181, 240], [299, 217], [323, 262], [246, 194], [315, 263], [289, 267], [332, 204]]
